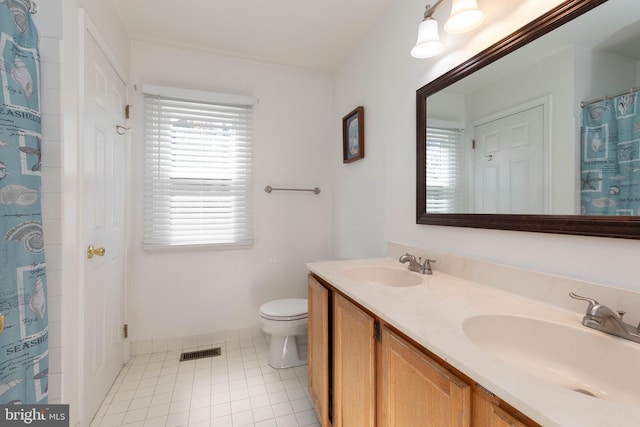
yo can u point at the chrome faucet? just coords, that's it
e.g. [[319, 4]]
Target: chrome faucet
[[602, 318], [418, 266]]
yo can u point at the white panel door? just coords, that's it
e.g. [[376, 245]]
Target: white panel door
[[104, 170], [509, 164]]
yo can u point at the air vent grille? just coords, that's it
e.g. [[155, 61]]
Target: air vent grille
[[200, 354]]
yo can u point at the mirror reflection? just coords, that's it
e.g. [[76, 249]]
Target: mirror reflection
[[551, 128]]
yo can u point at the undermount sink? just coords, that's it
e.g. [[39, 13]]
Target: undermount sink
[[382, 275], [577, 358]]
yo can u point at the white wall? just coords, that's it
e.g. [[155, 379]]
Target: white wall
[[190, 292], [49, 23], [383, 77]]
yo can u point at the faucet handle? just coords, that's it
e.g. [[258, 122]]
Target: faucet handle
[[591, 301]]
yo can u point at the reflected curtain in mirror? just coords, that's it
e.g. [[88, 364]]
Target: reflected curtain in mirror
[[610, 157]]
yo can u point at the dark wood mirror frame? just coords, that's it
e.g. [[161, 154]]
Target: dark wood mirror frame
[[601, 226]]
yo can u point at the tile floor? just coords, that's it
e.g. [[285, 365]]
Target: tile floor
[[235, 389]]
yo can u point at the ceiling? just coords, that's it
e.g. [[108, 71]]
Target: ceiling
[[317, 34]]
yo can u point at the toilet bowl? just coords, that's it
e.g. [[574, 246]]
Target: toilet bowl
[[286, 321]]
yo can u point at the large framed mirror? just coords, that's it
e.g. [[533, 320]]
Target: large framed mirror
[[534, 84]]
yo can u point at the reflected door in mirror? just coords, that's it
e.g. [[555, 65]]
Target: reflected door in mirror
[[509, 166]]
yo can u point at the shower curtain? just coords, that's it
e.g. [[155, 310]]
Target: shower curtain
[[610, 157], [24, 362]]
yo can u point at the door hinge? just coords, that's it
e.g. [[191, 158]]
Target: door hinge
[[126, 331], [473, 144], [377, 333]]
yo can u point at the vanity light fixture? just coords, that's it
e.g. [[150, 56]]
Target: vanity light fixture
[[428, 43], [465, 16]]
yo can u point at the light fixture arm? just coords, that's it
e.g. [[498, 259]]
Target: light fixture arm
[[432, 9]]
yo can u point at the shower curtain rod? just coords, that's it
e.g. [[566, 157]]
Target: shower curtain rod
[[604, 98]]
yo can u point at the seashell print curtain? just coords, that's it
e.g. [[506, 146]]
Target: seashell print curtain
[[24, 362], [610, 157]]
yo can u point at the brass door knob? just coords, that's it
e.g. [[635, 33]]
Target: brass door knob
[[91, 252]]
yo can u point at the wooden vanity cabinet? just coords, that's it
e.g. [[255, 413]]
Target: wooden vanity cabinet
[[318, 349], [354, 365], [490, 411], [365, 374], [415, 390]]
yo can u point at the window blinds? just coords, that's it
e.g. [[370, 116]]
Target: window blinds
[[197, 171], [445, 171]]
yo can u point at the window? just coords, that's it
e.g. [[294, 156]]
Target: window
[[197, 168], [445, 170]]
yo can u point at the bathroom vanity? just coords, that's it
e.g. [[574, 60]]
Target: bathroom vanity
[[390, 347]]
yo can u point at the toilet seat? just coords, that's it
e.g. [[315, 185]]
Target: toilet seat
[[285, 309]]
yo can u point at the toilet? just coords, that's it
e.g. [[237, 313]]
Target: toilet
[[286, 321]]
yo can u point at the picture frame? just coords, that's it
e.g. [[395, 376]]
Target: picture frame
[[353, 136]]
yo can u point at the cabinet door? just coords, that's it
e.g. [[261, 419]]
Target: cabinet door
[[318, 323], [354, 366], [418, 391], [502, 419], [488, 413]]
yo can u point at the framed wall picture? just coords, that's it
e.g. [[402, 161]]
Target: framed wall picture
[[353, 136]]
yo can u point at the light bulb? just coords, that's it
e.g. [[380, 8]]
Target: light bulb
[[428, 43], [465, 16]]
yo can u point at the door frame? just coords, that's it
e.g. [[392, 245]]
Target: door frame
[[87, 25], [546, 103]]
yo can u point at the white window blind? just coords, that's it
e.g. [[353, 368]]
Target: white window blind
[[445, 170], [197, 169]]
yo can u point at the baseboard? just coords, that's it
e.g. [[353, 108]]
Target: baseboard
[[193, 342]]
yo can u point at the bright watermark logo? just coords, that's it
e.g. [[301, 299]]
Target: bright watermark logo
[[35, 415]]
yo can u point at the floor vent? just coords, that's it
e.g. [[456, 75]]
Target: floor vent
[[200, 354]]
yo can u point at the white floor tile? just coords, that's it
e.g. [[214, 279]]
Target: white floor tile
[[300, 405], [123, 396], [262, 414], [135, 416], [155, 422], [281, 409], [143, 402], [158, 411], [242, 405], [179, 419], [222, 421], [144, 392], [242, 419], [278, 397], [220, 410], [179, 407], [117, 408], [260, 401], [287, 421], [200, 402], [306, 418], [239, 394], [200, 414], [296, 393], [236, 389]]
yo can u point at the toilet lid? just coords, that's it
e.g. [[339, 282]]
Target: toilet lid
[[285, 309]]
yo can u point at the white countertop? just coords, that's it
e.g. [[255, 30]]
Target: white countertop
[[433, 313]]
